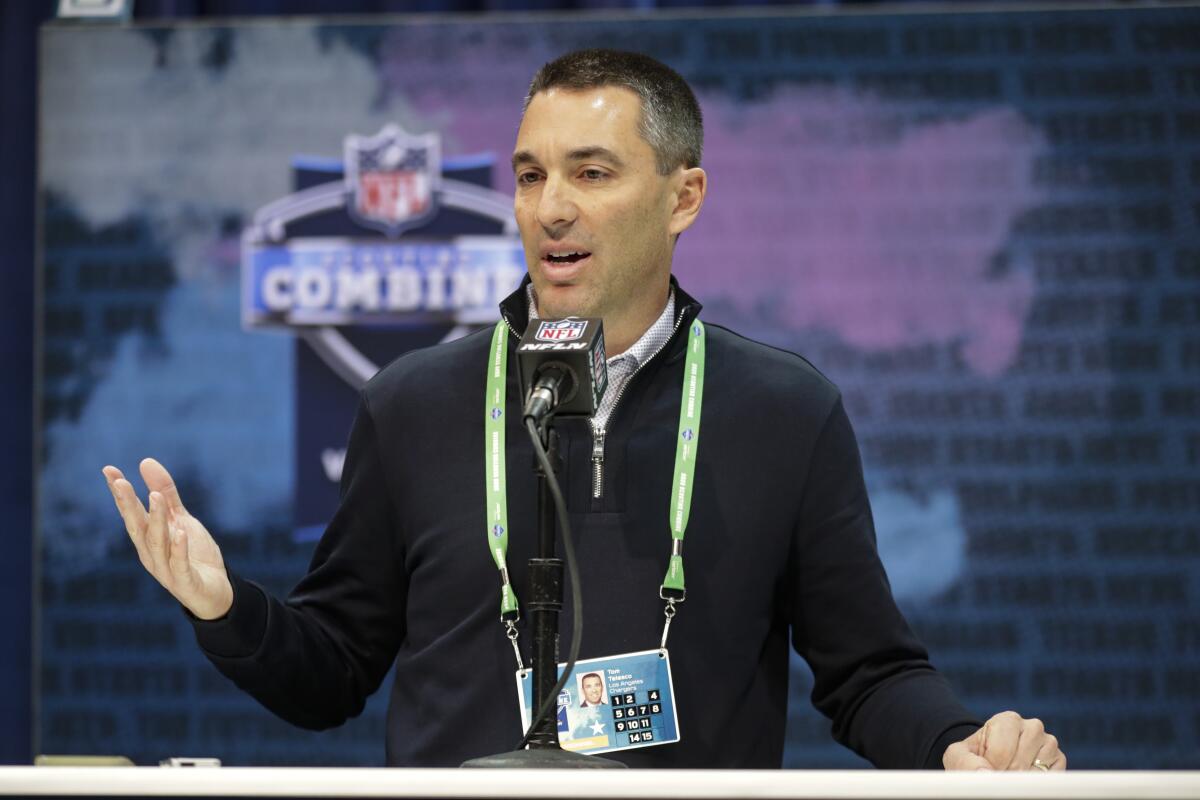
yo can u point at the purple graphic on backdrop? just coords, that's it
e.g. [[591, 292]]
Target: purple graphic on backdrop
[[890, 234]]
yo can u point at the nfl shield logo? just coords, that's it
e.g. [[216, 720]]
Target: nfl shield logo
[[392, 179], [563, 330]]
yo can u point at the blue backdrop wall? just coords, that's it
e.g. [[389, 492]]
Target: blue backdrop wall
[[983, 227]]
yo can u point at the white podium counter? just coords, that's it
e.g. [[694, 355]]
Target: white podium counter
[[590, 785]]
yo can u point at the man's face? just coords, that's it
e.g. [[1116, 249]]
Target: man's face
[[594, 213], [592, 690]]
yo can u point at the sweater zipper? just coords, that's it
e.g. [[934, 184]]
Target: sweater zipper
[[599, 434]]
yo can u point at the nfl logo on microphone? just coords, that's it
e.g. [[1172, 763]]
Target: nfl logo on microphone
[[563, 330]]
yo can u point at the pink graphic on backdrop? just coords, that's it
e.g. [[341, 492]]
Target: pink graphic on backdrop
[[827, 210]]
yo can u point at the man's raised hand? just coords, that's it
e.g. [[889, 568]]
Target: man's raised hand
[[172, 544]]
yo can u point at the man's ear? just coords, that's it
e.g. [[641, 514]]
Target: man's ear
[[687, 195]]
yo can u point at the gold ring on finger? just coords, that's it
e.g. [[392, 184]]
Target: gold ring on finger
[[1042, 765]]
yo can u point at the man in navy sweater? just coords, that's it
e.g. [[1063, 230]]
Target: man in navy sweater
[[780, 543]]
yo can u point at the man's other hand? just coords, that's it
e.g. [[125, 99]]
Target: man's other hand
[[172, 544], [1007, 742]]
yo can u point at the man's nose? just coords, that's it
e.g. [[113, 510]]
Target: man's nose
[[556, 207]]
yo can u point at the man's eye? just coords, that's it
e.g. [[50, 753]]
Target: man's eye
[[594, 174], [528, 177]]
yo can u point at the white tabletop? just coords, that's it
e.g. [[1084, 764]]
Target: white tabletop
[[625, 784]]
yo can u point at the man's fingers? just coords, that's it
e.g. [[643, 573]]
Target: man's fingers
[[1013, 743], [1033, 736], [1003, 737], [977, 742], [131, 511], [958, 756], [180, 564], [159, 480], [156, 535], [130, 508], [178, 552], [1048, 756]]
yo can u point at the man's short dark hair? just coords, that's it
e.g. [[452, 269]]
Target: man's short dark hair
[[595, 675], [671, 121]]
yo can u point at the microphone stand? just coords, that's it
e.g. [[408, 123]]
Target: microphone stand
[[546, 588]]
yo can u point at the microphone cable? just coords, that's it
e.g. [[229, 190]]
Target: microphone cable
[[560, 506]]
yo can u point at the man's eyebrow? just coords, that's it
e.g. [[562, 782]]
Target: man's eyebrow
[[522, 157], [595, 151]]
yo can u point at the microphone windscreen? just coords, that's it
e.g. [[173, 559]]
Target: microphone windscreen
[[576, 343]]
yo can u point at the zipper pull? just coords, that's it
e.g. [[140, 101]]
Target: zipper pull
[[598, 464]]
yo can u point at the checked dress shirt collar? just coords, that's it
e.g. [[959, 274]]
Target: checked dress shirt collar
[[621, 367]]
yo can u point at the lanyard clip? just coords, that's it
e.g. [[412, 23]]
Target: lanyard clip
[[669, 612], [510, 630]]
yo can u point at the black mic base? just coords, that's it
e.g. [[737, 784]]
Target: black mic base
[[543, 758]]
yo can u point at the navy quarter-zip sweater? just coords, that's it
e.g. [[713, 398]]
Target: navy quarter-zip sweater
[[780, 551]]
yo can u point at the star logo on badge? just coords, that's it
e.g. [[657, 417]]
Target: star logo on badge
[[597, 728]]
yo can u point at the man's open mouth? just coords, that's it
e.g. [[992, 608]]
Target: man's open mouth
[[568, 257]]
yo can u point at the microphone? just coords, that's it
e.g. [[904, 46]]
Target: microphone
[[562, 367]]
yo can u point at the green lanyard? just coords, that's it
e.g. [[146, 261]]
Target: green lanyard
[[686, 445]]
